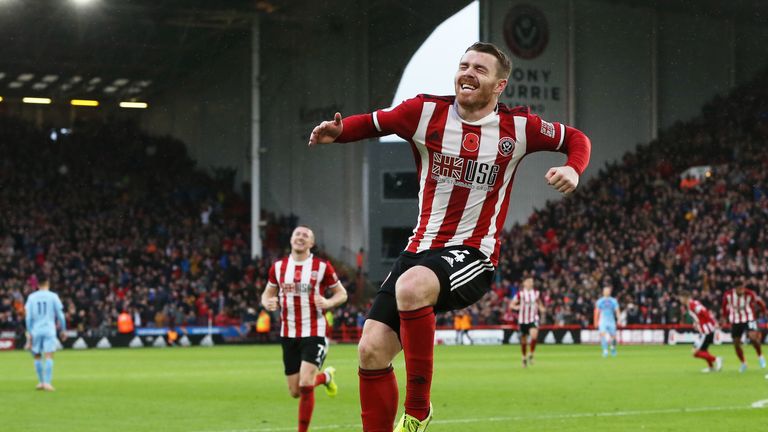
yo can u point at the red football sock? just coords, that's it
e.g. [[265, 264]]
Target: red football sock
[[739, 352], [306, 406], [758, 349], [706, 356], [320, 379], [533, 345], [524, 348], [378, 399], [417, 334]]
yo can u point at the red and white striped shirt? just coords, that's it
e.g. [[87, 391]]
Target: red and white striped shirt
[[529, 306], [741, 308], [466, 169], [702, 318], [299, 283]]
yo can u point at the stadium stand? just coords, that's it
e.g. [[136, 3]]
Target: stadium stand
[[639, 227], [123, 220]]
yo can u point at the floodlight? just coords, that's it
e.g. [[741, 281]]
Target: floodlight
[[133, 105], [84, 102], [36, 100]]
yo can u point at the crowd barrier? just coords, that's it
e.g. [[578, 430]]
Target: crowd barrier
[[480, 335]]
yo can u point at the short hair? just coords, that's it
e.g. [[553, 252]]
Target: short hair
[[505, 64], [685, 293]]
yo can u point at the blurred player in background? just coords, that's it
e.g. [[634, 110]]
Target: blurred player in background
[[606, 314], [297, 284], [527, 302], [44, 313], [705, 325], [467, 148], [739, 308]]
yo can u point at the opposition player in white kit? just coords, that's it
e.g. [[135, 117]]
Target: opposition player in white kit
[[297, 285], [44, 316], [467, 149], [527, 302]]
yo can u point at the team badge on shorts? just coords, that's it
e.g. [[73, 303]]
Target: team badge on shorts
[[506, 146]]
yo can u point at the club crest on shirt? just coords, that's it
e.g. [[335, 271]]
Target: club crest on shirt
[[506, 146]]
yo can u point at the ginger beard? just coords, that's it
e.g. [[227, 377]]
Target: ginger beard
[[476, 84]]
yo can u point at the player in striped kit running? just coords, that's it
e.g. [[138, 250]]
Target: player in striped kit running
[[527, 302], [739, 308], [467, 149], [706, 326], [297, 284]]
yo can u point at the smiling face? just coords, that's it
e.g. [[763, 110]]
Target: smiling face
[[302, 239], [477, 82]]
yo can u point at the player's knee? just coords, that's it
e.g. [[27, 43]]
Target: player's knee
[[294, 393], [416, 289], [371, 355]]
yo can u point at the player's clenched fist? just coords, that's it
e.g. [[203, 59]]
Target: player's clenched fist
[[564, 179], [270, 304], [327, 131]]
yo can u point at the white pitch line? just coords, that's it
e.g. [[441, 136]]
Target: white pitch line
[[758, 404]]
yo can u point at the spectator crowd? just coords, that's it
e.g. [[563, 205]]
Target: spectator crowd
[[124, 221]]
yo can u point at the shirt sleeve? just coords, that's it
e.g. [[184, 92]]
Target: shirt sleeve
[[542, 135], [330, 278], [697, 307], [400, 120], [272, 278]]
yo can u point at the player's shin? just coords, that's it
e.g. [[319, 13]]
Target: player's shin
[[378, 399], [306, 406], [417, 333], [48, 373], [739, 352], [39, 370], [709, 358]]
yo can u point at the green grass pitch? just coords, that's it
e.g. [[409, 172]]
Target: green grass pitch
[[242, 388]]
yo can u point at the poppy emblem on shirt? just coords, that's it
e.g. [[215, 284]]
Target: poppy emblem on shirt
[[471, 142], [506, 146], [297, 274]]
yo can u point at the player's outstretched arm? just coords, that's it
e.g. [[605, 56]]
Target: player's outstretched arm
[[762, 305], [515, 304], [327, 131]]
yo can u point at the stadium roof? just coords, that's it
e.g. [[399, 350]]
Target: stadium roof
[[133, 48]]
